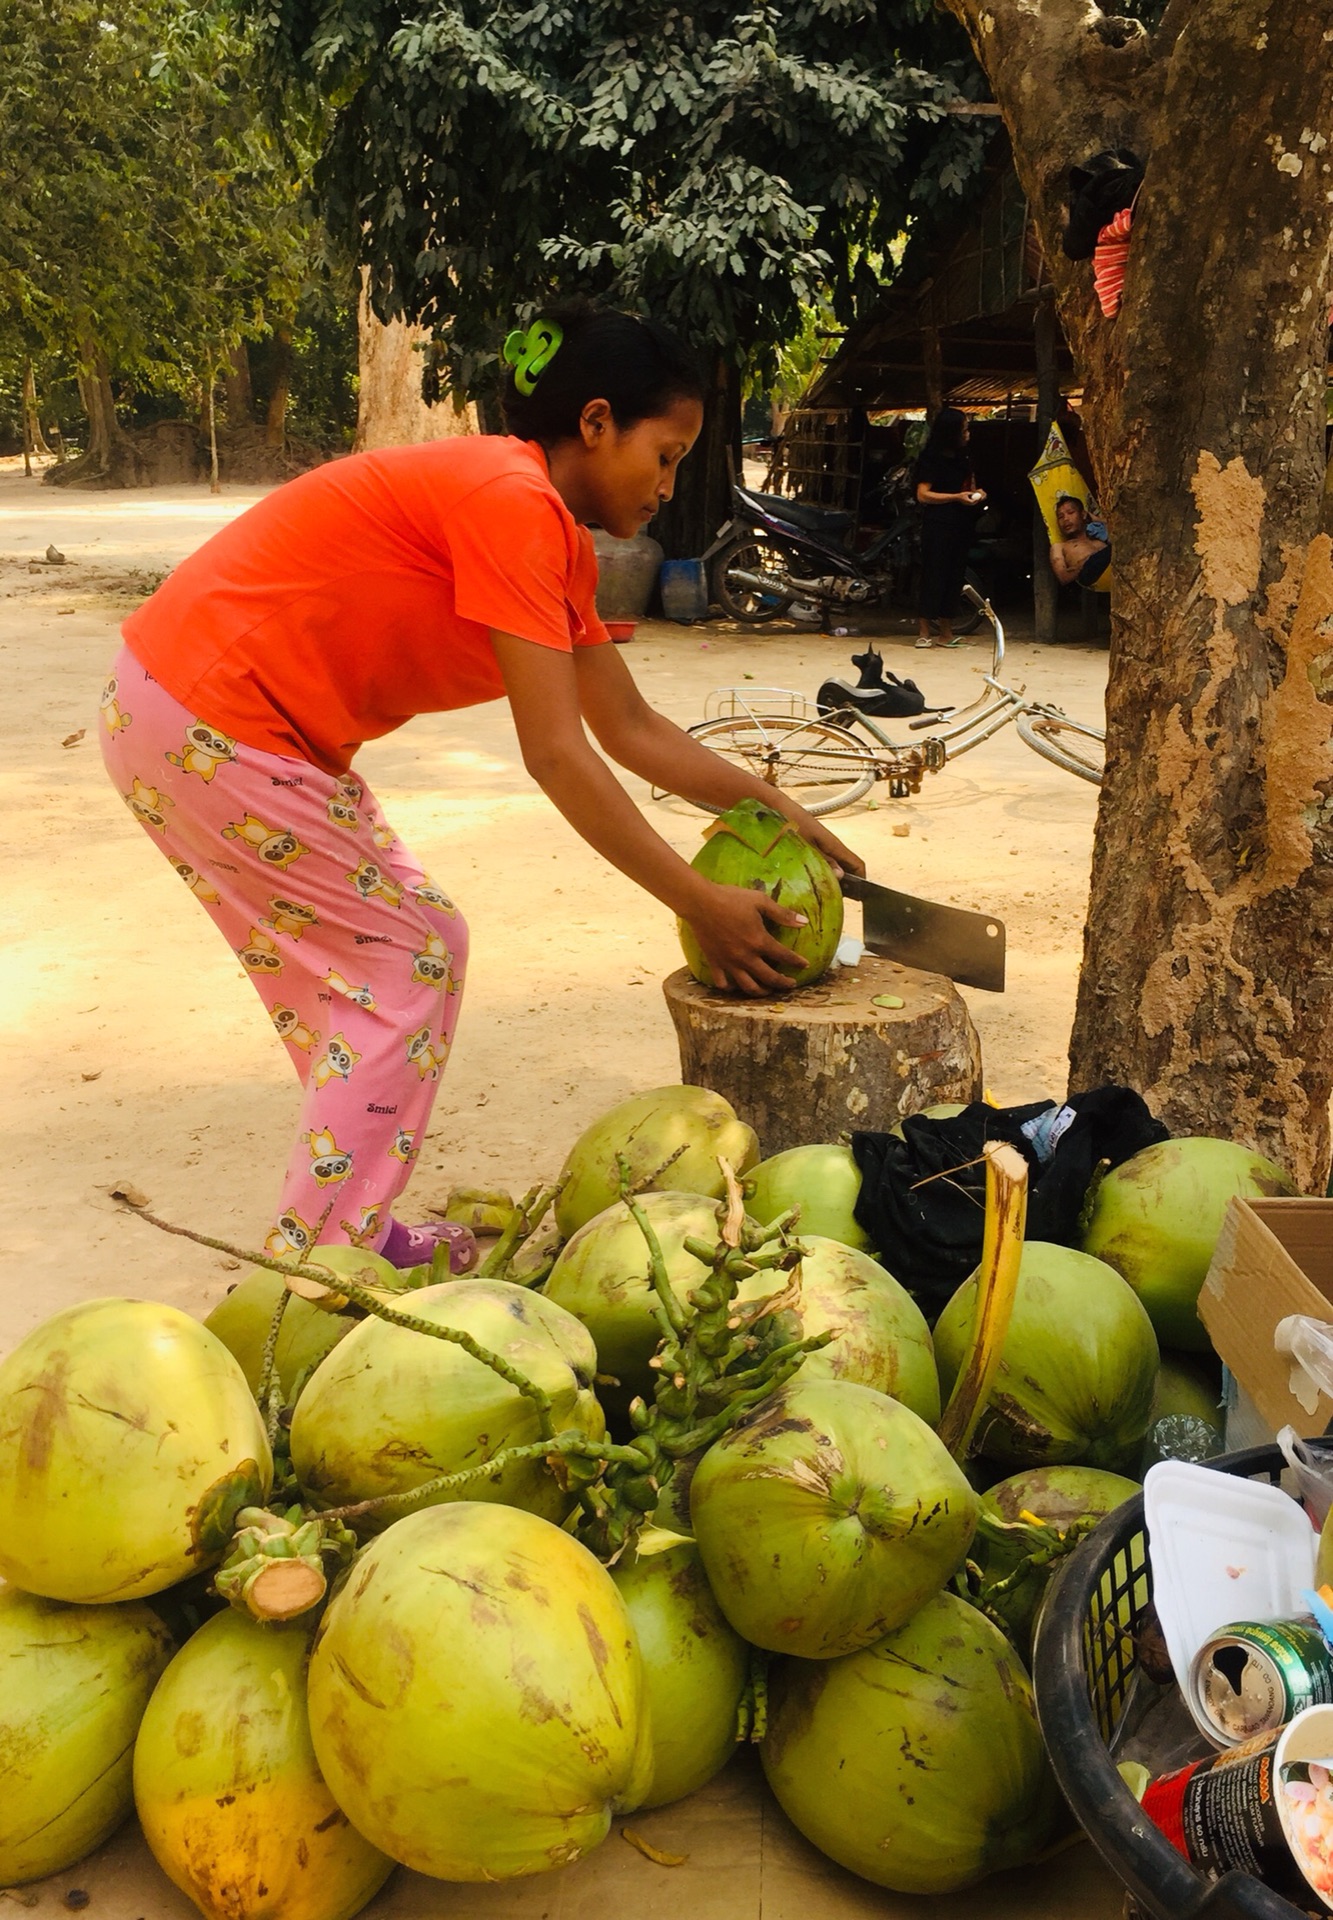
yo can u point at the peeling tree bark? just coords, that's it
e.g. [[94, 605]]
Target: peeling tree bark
[[1206, 980], [391, 411]]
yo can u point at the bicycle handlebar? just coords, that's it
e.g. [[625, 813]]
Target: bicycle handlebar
[[983, 605]]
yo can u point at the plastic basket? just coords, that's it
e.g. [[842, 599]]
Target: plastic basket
[[1084, 1667]]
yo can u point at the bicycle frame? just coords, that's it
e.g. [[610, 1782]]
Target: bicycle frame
[[777, 717]]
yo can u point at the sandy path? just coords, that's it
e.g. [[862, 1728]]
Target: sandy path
[[136, 1049]]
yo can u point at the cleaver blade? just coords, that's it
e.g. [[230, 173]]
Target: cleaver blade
[[967, 947]]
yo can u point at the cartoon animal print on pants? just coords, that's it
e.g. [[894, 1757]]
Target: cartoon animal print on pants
[[357, 954]]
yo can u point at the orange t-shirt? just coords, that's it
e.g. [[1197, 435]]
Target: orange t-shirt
[[364, 592]]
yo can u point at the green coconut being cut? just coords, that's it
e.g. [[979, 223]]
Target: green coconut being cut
[[752, 846], [391, 1408], [696, 1125], [917, 1762], [1076, 1375], [1157, 1217], [828, 1517], [823, 1182]]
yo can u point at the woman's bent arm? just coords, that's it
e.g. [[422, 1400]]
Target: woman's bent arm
[[729, 922], [647, 743]]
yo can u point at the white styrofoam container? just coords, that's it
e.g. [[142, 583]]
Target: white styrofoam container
[[1221, 1550]]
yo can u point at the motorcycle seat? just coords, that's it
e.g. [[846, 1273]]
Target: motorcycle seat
[[796, 513]]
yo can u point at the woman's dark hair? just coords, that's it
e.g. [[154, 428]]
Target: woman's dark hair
[[637, 366], [946, 431]]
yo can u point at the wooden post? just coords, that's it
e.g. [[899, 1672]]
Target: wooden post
[[813, 1065], [932, 362], [1045, 590]]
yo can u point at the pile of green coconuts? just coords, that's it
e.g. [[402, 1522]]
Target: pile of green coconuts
[[374, 1568]]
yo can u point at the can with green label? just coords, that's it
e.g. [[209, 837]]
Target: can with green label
[[1256, 1675]]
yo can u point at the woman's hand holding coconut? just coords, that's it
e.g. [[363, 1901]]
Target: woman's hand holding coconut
[[552, 698]]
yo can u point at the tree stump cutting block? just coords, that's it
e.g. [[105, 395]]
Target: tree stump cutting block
[[815, 1064]]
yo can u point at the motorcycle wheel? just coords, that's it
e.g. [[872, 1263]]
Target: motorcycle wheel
[[750, 554]]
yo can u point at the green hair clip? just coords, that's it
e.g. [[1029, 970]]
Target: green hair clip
[[531, 353]]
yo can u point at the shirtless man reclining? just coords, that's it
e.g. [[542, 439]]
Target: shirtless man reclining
[[1084, 554]]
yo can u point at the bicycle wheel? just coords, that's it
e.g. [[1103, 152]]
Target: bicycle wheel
[[1066, 743], [824, 765], [740, 601]]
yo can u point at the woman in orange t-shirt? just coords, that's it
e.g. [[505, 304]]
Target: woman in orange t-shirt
[[416, 580]]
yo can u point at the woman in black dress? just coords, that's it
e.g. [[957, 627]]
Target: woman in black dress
[[949, 497]]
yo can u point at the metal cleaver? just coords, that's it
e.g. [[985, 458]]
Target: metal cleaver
[[968, 947]]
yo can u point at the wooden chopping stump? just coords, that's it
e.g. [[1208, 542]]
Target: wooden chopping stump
[[817, 1063]]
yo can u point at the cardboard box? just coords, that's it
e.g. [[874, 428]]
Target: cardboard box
[[1274, 1257]]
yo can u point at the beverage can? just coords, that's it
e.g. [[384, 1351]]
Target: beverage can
[[1256, 1675], [1264, 1807]]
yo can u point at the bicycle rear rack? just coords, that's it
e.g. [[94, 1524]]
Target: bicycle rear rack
[[759, 704]]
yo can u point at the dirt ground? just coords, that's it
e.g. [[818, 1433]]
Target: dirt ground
[[136, 1050]]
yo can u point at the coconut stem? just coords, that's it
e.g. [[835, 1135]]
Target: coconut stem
[[278, 1563], [527, 1216], [716, 1361], [669, 1308], [369, 1302], [565, 1446], [997, 1285], [752, 1709], [269, 1391]]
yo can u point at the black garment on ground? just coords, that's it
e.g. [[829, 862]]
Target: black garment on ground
[[928, 1231], [947, 530], [1098, 190]]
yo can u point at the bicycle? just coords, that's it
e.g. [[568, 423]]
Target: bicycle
[[818, 757]]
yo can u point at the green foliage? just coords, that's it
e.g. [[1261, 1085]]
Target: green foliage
[[727, 168], [153, 216]]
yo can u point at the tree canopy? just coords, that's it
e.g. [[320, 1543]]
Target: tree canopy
[[720, 167], [153, 218]]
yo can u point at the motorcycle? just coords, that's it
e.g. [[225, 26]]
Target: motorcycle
[[777, 557]]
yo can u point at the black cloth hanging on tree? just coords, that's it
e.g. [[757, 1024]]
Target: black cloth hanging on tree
[[1098, 190]]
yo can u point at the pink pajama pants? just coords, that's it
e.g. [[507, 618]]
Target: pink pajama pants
[[354, 951]]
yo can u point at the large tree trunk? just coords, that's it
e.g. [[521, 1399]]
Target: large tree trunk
[[240, 398], [275, 420], [702, 500], [391, 411], [1205, 981], [110, 458]]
